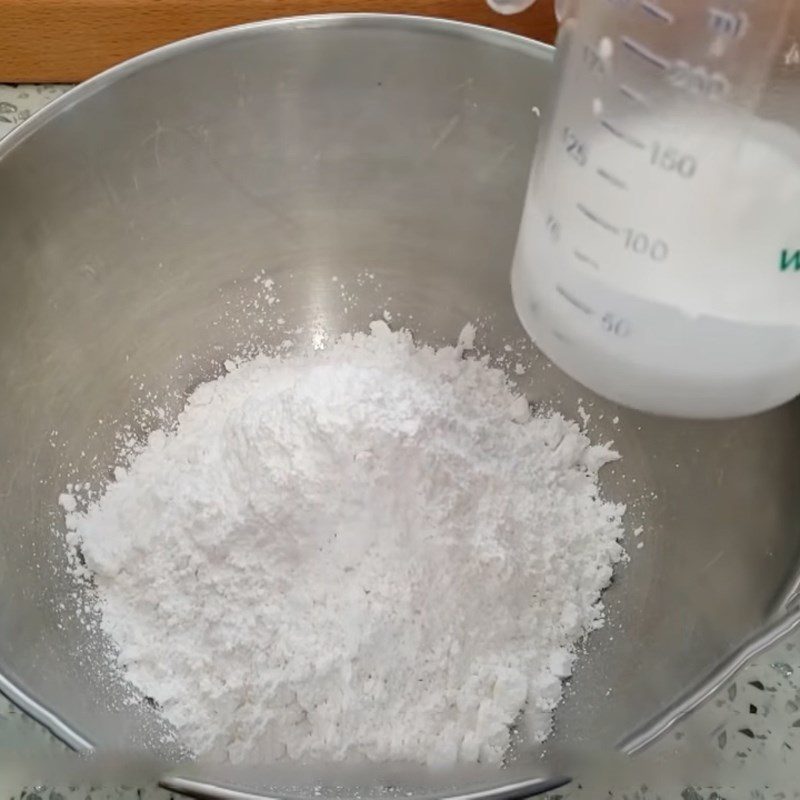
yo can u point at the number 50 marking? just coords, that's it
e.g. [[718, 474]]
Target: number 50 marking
[[616, 325]]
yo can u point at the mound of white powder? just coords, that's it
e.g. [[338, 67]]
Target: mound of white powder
[[369, 551]]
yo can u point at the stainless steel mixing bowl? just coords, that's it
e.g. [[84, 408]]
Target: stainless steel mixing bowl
[[134, 214]]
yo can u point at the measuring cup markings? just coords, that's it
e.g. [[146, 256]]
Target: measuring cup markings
[[699, 80], [632, 94], [561, 337], [593, 60], [612, 179], [618, 326], [575, 147], [623, 136], [661, 153], [584, 259], [598, 220], [642, 244], [720, 21], [733, 24], [645, 53], [637, 242], [671, 159], [681, 74], [627, 266], [574, 301], [657, 12]]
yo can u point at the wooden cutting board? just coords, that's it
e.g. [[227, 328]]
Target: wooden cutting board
[[64, 41]]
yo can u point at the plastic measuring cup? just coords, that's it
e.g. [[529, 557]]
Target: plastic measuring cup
[[658, 261]]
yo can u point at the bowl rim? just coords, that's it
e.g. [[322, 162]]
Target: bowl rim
[[353, 20]]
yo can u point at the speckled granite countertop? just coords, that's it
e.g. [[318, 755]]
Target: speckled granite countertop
[[749, 735]]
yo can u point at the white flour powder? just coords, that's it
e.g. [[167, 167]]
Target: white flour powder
[[367, 551]]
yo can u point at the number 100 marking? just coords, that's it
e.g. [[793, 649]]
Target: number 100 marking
[[643, 245]]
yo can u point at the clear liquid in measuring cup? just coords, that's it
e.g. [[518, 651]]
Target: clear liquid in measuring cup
[[658, 258]]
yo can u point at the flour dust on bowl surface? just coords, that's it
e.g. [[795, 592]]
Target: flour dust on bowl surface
[[142, 215]]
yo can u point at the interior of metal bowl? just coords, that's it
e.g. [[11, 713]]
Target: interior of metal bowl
[[137, 211]]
